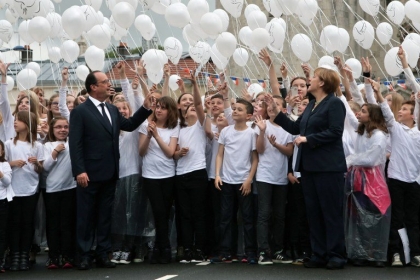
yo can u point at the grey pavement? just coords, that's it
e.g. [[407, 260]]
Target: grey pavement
[[234, 271]]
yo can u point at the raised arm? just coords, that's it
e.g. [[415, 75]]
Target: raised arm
[[197, 99], [281, 119], [260, 122], [166, 74], [62, 99], [5, 110], [274, 84]]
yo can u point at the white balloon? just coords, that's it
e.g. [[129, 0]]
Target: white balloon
[[26, 79], [141, 21], [245, 35], [218, 59], [39, 28], [363, 34], [55, 22], [287, 6], [200, 52], [197, 8], [24, 32], [412, 10], [189, 35], [384, 32], [82, 72], [344, 40], [10, 83], [35, 67], [6, 30], [159, 6], [395, 12], [150, 33], [412, 48], [330, 38], [200, 32], [307, 9], [277, 34], [26, 8], [147, 4], [260, 38], [116, 30], [370, 6], [256, 19], [416, 25], [177, 15], [172, 82], [392, 62], [327, 62], [54, 54], [123, 14], [92, 17], [96, 4], [356, 67], [226, 43], [224, 17], [10, 16], [100, 36], [255, 89], [281, 21], [173, 49], [44, 8], [302, 47], [211, 24], [153, 60], [249, 9], [95, 58], [273, 8], [69, 51], [155, 77], [240, 56], [73, 22], [233, 7]]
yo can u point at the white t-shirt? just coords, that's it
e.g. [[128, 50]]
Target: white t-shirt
[[272, 165], [155, 164], [237, 159], [59, 176], [193, 137], [129, 153], [5, 187], [24, 179]]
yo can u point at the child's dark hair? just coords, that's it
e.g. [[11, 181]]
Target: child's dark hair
[[30, 120], [283, 102], [217, 95], [376, 120], [2, 156], [170, 105], [51, 136], [50, 116], [248, 105], [180, 113], [410, 102]]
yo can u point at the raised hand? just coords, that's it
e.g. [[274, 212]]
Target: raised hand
[[223, 89], [366, 67], [265, 57], [148, 101], [283, 70], [181, 85], [167, 70], [140, 67], [3, 71], [245, 95], [402, 56], [348, 72], [135, 83], [260, 122], [338, 62], [306, 70], [121, 68]]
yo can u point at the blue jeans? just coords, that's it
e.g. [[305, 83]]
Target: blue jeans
[[271, 199], [230, 194]]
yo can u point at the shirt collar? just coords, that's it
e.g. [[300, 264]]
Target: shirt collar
[[95, 101]]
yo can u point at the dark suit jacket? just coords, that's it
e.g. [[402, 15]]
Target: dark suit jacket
[[323, 128], [94, 146]]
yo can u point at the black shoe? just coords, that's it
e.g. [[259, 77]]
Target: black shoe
[[333, 265], [105, 262], [14, 261], [84, 264], [155, 256], [198, 256], [313, 264], [379, 264], [165, 256], [24, 261], [360, 262]]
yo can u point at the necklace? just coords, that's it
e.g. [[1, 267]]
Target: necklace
[[318, 102]]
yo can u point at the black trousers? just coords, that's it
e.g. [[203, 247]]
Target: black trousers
[[4, 209], [94, 214], [230, 196], [324, 198], [21, 222], [160, 193], [61, 222], [405, 205], [191, 189]]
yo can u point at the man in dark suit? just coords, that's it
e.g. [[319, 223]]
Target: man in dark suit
[[94, 150]]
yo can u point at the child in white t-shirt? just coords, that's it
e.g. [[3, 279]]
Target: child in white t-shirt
[[237, 152], [25, 156], [6, 195]]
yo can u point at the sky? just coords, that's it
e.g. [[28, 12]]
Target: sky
[[40, 52]]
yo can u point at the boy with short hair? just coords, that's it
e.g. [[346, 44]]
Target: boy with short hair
[[237, 152]]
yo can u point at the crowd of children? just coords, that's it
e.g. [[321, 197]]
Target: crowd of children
[[213, 179]]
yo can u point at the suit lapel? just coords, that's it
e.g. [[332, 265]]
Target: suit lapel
[[113, 117], [320, 105], [98, 115]]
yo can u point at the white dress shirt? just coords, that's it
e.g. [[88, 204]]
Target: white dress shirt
[[98, 103]]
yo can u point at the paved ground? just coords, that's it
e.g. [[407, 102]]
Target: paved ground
[[220, 272]]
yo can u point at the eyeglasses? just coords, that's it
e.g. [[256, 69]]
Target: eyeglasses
[[61, 127], [54, 103], [104, 82]]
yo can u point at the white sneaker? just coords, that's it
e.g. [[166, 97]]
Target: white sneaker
[[116, 257], [415, 261], [396, 260], [125, 258]]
